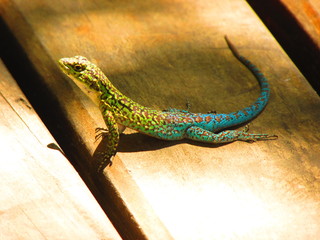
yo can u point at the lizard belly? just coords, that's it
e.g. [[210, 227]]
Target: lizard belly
[[162, 125]]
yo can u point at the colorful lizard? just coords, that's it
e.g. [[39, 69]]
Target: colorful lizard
[[120, 111]]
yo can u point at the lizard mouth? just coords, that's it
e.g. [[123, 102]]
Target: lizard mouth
[[63, 66]]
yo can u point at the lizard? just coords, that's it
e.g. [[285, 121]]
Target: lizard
[[119, 111]]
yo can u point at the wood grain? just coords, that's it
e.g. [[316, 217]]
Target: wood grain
[[161, 54], [307, 13], [296, 26], [41, 196]]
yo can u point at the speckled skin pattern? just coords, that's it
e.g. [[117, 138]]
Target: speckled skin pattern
[[120, 111]]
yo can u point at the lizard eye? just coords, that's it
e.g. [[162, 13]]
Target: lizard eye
[[78, 67]]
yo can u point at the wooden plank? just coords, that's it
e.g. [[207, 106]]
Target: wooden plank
[[296, 25], [307, 14], [41, 196], [160, 54]]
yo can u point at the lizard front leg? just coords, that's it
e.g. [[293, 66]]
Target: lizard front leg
[[112, 136], [202, 135]]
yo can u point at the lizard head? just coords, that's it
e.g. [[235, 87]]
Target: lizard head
[[87, 76], [80, 69]]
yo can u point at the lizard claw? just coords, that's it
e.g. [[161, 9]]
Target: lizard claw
[[212, 112], [101, 133], [188, 105], [246, 128]]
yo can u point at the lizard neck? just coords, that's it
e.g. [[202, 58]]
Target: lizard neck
[[97, 86]]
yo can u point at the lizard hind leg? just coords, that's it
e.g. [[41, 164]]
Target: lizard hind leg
[[202, 135]]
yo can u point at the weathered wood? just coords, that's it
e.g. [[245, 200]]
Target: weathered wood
[[307, 13], [161, 54], [307, 16], [41, 196], [296, 25]]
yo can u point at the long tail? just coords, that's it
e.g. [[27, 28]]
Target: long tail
[[248, 113]]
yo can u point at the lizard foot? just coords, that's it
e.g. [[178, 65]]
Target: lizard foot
[[253, 137], [106, 161], [212, 112], [101, 133], [188, 105]]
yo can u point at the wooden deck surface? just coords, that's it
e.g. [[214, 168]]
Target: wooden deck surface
[[307, 14], [296, 26], [41, 196], [162, 54]]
